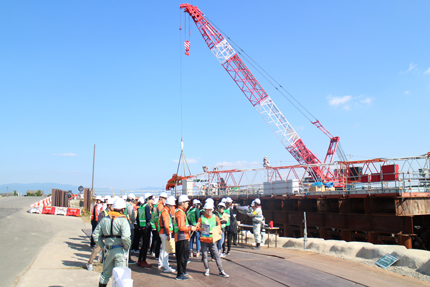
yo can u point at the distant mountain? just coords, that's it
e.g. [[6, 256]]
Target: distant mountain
[[46, 187]]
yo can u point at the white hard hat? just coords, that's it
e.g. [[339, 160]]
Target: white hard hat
[[119, 204], [229, 200], [98, 197], [183, 198], [131, 196], [208, 205], [257, 201], [253, 203], [171, 200], [147, 195], [156, 200], [141, 199], [195, 201], [224, 200], [107, 197], [209, 200], [110, 200], [221, 204], [163, 194], [124, 197]]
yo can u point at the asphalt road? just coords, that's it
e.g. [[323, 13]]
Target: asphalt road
[[23, 235]]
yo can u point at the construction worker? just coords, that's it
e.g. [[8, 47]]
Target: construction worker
[[97, 249], [155, 242], [165, 229], [144, 219], [193, 216], [182, 236], [137, 235], [229, 230], [219, 213], [95, 211], [159, 205], [256, 213], [115, 231], [130, 213], [205, 225], [257, 217]]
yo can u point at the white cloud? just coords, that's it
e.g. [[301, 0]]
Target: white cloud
[[367, 101], [65, 154], [336, 101], [407, 93], [427, 72], [348, 102], [411, 67]]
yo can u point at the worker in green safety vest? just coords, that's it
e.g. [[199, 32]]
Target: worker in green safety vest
[[193, 216], [206, 225], [220, 214], [229, 230], [144, 222]]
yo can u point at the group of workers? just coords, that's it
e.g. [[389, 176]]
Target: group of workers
[[159, 225]]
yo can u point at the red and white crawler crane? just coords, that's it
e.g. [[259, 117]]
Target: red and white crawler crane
[[261, 101]]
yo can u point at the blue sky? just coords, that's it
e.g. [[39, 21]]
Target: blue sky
[[78, 73]]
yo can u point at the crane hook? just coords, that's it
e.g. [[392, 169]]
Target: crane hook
[[187, 47]]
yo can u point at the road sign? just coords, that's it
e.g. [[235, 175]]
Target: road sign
[[81, 188], [386, 261]]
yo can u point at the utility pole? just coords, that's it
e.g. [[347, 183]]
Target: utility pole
[[92, 184]]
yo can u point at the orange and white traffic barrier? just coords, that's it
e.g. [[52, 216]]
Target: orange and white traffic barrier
[[43, 202]]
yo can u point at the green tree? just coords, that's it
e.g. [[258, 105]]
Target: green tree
[[39, 193], [14, 193]]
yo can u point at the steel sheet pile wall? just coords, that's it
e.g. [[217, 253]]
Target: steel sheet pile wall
[[384, 219], [59, 198]]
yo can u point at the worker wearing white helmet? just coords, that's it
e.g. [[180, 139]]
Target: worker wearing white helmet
[[95, 211], [229, 229], [257, 217], [144, 225], [220, 214], [113, 233], [165, 229], [206, 225], [182, 235], [97, 248], [193, 216], [256, 213], [155, 216], [131, 213]]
